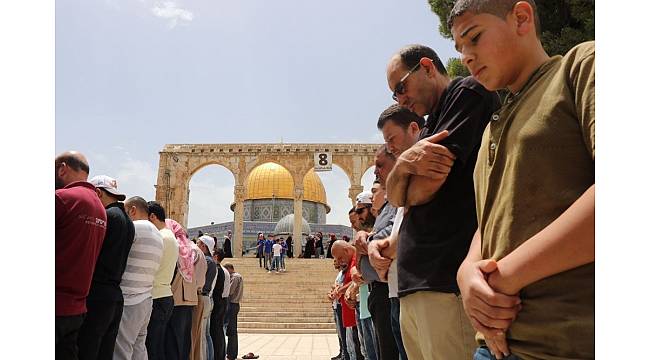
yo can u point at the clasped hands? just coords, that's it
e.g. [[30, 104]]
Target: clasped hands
[[427, 158], [491, 302]]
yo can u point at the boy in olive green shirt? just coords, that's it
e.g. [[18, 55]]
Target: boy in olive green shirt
[[528, 279]]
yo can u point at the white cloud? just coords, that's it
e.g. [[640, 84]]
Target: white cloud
[[171, 11], [134, 176]]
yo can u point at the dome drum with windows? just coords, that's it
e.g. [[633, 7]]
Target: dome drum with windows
[[270, 193]]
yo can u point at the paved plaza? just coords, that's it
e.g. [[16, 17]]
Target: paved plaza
[[289, 346]]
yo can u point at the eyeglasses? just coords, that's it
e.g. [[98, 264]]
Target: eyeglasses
[[399, 88]]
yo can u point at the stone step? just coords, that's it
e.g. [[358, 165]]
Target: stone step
[[276, 325], [294, 307], [284, 331], [301, 314], [286, 319], [255, 296]]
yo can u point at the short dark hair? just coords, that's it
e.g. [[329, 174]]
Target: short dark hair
[[412, 54], [499, 8], [72, 161], [139, 203], [229, 266], [219, 254], [399, 115], [159, 211], [383, 149]]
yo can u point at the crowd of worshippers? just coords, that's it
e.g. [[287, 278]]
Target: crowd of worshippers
[[481, 242], [477, 239], [129, 282]]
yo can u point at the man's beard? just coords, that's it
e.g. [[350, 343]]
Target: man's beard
[[369, 223]]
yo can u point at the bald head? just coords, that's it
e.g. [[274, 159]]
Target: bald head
[[69, 167], [343, 251], [137, 208]]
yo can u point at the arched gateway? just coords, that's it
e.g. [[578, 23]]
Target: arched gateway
[[178, 162]]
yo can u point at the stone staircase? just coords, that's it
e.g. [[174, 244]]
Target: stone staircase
[[291, 302]]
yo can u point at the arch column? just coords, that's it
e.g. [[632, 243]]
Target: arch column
[[238, 226], [298, 193], [353, 192]]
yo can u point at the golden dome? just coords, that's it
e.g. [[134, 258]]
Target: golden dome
[[272, 180]]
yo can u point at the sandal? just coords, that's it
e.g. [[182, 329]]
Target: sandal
[[250, 355]]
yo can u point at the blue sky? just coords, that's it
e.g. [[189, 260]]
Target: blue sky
[[132, 76]]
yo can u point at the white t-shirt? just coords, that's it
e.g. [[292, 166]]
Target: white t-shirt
[[392, 270], [226, 284], [277, 249]]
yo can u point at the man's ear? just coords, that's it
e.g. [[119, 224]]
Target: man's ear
[[428, 67], [524, 17]]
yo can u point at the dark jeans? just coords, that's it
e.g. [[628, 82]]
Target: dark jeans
[[483, 353], [99, 330], [341, 332], [397, 333], [179, 333], [231, 331], [357, 343], [366, 335], [379, 308], [161, 313], [216, 327], [66, 329]]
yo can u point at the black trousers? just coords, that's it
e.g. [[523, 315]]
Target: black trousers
[[231, 331], [178, 336], [66, 332], [216, 327], [161, 313], [99, 330], [379, 307]]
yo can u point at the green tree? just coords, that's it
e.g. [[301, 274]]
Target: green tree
[[456, 68], [564, 23]]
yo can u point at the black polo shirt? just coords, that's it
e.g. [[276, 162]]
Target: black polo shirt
[[111, 262], [434, 237]]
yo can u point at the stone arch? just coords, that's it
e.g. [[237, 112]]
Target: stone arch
[[229, 181], [178, 162]]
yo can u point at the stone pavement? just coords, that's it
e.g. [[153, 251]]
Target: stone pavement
[[289, 346]]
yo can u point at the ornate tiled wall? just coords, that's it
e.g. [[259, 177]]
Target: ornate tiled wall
[[274, 210]]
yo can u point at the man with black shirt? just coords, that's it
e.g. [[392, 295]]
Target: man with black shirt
[[227, 245], [219, 309], [105, 302], [434, 180]]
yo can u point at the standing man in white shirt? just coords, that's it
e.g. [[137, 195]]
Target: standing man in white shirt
[[277, 251], [137, 282]]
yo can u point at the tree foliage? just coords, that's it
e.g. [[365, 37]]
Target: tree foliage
[[456, 68], [564, 23]]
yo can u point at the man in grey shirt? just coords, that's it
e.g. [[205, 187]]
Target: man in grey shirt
[[236, 293], [378, 303]]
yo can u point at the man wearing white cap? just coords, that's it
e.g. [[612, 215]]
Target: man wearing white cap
[[364, 203], [202, 311], [105, 301]]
